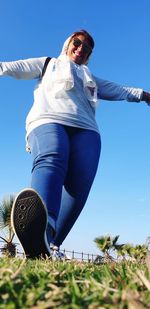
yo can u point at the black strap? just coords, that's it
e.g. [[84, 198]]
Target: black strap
[[45, 65]]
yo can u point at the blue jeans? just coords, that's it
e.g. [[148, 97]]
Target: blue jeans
[[65, 161]]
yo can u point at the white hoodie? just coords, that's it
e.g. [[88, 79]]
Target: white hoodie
[[68, 107]]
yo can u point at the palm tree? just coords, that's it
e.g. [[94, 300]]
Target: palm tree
[[148, 242], [5, 224], [106, 244], [123, 251], [138, 253]]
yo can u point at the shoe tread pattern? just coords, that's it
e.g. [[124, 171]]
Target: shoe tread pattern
[[29, 221]]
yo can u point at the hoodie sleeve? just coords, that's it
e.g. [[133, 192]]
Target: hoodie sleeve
[[114, 92], [23, 69]]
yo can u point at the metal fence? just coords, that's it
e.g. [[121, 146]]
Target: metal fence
[[69, 255], [80, 256]]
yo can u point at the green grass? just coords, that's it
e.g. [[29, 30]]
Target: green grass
[[47, 284]]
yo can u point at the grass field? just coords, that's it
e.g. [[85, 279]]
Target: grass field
[[48, 284]]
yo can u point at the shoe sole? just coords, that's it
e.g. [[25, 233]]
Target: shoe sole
[[29, 221]]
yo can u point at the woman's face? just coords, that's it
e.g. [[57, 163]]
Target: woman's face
[[79, 49]]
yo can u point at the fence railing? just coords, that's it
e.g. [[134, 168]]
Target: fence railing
[[80, 256], [69, 255]]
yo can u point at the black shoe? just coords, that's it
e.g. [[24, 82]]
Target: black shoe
[[29, 221]]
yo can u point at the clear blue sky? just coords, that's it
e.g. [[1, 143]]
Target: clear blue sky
[[119, 203]]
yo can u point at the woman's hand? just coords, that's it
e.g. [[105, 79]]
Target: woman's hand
[[146, 97]]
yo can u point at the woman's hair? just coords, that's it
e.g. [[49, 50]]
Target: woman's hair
[[86, 35]]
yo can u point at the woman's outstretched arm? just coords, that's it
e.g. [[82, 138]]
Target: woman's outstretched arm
[[23, 69], [114, 92]]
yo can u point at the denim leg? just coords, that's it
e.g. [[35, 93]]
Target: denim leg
[[82, 167], [50, 150]]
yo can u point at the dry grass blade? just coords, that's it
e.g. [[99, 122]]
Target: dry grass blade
[[145, 281], [19, 269], [147, 260], [135, 305]]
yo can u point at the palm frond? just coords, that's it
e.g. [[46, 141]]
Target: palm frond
[[5, 211], [4, 239], [5, 216], [115, 239]]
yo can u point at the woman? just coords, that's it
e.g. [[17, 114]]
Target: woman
[[64, 140]]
